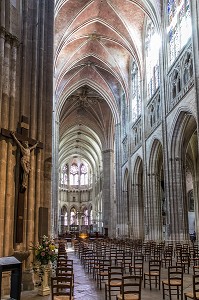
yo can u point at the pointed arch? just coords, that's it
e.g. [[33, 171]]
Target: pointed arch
[[138, 198]]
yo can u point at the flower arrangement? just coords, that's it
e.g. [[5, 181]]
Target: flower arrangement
[[46, 251]]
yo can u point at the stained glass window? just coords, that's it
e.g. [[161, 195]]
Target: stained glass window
[[179, 26], [74, 174], [85, 218], [78, 173], [66, 219], [91, 216], [73, 217], [64, 175], [152, 47], [136, 99], [83, 174], [124, 120]]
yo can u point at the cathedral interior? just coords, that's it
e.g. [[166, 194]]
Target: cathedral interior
[[106, 95]]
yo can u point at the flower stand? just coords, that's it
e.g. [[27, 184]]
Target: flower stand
[[44, 288]]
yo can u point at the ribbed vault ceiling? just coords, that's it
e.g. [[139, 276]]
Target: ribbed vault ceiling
[[94, 42]]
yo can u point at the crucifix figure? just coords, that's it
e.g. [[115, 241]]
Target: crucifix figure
[[25, 160], [21, 172]]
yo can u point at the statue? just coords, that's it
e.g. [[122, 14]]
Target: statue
[[25, 160]]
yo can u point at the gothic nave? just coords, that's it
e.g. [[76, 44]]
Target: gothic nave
[[98, 122]]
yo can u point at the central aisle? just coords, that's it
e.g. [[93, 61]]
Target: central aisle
[[85, 286]]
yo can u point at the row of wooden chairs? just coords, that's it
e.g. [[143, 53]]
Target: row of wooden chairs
[[102, 264], [62, 285]]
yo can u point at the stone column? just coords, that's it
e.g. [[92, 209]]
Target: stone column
[[10, 187], [155, 217], [118, 185], [178, 205], [137, 212], [32, 196], [3, 143], [55, 176], [195, 42], [108, 191]]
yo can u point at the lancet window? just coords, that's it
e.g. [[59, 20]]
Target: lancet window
[[136, 99], [77, 173], [74, 174], [124, 114], [73, 216], [83, 174], [85, 220], [152, 46], [64, 175], [179, 26]]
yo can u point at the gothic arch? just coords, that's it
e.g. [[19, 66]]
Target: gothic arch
[[183, 160], [156, 190], [138, 199], [126, 203]]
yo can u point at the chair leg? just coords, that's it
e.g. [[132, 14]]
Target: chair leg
[[163, 290], [181, 293], [170, 294], [105, 292], [178, 292], [109, 293]]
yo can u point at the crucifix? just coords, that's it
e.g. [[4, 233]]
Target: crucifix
[[22, 170]]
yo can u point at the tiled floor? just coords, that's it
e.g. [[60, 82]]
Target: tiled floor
[[86, 288]]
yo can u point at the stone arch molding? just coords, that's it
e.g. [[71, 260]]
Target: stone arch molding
[[136, 167], [183, 117], [155, 148], [73, 206], [125, 179], [134, 163], [108, 96], [64, 208]]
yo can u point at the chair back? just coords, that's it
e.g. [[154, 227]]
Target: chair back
[[115, 274], [196, 270], [131, 285], [61, 286], [195, 286], [175, 273], [62, 271], [104, 264], [154, 266]]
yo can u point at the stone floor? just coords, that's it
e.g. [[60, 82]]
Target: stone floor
[[86, 288]]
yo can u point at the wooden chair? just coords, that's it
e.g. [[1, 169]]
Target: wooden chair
[[127, 261], [174, 284], [102, 273], [131, 288], [137, 267], [196, 270], [195, 293], [184, 260], [153, 275], [114, 280], [119, 257], [65, 263], [60, 272], [167, 258], [61, 288]]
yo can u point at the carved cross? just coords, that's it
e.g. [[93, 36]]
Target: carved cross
[[21, 135]]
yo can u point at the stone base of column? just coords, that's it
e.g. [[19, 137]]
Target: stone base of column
[[27, 280], [44, 291]]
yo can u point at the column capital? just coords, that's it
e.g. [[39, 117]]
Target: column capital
[[9, 37]]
